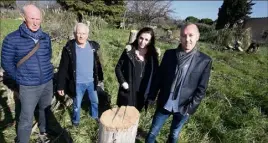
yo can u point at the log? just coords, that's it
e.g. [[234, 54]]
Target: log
[[132, 36], [119, 125]]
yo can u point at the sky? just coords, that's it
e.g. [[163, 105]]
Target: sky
[[199, 9], [209, 9]]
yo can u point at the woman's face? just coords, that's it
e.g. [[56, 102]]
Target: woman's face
[[144, 40]]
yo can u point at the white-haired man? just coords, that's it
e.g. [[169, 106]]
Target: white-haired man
[[80, 70]]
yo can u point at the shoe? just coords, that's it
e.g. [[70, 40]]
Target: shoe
[[44, 137]]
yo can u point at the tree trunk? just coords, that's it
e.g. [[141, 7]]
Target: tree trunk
[[119, 125], [132, 36]]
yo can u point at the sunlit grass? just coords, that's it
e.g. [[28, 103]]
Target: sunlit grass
[[235, 108]]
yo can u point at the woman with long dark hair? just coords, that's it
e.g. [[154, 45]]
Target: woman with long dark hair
[[136, 68]]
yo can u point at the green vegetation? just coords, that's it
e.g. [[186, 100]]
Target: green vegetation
[[8, 4], [232, 12], [191, 19], [234, 111], [111, 10], [207, 21]]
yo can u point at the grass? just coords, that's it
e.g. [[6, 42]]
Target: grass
[[234, 111]]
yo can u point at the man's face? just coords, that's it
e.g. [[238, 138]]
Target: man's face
[[81, 35], [32, 18], [189, 37], [144, 40]]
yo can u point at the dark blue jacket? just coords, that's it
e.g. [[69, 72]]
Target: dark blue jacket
[[37, 69]]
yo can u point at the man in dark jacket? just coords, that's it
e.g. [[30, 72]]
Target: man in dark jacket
[[80, 70], [34, 76], [182, 80]]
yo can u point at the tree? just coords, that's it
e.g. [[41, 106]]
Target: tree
[[191, 19], [207, 21], [146, 11], [10, 4], [40, 4], [232, 12], [111, 10]]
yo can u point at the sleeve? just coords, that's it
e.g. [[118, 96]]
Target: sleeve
[[8, 54], [63, 69], [118, 68], [100, 71]]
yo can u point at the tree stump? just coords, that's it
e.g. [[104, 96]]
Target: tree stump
[[132, 36], [119, 125]]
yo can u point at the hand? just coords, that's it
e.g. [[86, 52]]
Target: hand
[[125, 85], [128, 47], [61, 92], [101, 85]]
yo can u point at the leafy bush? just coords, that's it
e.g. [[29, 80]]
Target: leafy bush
[[58, 24], [111, 11], [159, 32], [95, 23], [224, 37], [191, 19], [8, 13], [207, 33], [207, 21], [227, 37]]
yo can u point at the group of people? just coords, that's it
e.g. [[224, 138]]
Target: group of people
[[180, 82]]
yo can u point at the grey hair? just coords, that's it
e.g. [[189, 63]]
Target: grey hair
[[80, 25], [26, 5]]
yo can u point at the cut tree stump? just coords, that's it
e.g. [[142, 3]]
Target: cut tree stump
[[132, 36], [119, 125]]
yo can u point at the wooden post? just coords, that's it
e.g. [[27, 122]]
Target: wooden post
[[119, 125], [132, 36]]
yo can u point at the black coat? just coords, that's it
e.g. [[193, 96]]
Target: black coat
[[193, 87], [66, 74], [125, 73]]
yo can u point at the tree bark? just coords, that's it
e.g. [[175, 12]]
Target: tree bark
[[119, 125], [132, 36]]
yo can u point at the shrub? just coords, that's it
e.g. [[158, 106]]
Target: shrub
[[225, 37], [192, 19], [207, 21], [95, 23], [58, 24], [8, 13], [207, 33]]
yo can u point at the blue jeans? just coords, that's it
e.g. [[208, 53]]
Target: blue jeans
[[160, 116], [92, 95], [29, 97]]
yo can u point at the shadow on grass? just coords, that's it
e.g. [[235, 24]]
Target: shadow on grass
[[58, 133], [8, 119]]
